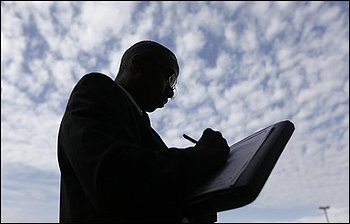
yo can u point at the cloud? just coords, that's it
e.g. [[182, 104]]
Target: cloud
[[29, 194], [243, 66]]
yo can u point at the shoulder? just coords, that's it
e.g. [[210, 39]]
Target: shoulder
[[97, 90], [97, 82], [96, 77], [96, 87]]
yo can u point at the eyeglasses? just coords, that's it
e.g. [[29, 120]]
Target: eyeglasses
[[172, 81]]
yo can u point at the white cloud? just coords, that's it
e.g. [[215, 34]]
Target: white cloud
[[99, 21], [190, 43], [222, 65], [275, 25], [329, 14], [243, 66]]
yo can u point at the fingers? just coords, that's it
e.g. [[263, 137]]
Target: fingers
[[211, 137], [213, 144], [211, 132]]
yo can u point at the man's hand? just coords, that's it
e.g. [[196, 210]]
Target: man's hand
[[212, 149]]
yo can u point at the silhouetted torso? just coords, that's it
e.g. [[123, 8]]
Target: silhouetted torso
[[114, 166]]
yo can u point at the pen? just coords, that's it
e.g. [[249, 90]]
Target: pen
[[190, 139]]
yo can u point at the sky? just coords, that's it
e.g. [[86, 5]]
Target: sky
[[243, 66]]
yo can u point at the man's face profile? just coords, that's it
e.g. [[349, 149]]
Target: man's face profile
[[159, 82]]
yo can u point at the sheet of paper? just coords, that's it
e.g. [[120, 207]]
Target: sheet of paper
[[240, 155]]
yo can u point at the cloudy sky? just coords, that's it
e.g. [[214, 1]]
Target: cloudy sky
[[243, 66]]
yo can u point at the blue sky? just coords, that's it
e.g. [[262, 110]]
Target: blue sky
[[243, 66]]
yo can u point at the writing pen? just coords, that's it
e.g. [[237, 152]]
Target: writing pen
[[190, 139]]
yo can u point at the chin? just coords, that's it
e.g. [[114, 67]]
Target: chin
[[150, 110], [155, 107]]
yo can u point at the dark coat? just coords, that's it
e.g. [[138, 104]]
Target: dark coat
[[114, 166]]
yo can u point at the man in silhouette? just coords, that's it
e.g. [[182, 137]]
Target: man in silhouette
[[114, 166]]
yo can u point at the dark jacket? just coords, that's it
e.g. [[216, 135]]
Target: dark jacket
[[114, 166]]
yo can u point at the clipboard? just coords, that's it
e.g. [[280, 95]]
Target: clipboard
[[248, 167]]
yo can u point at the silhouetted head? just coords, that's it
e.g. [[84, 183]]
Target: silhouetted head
[[148, 71]]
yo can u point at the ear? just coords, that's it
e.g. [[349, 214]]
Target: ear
[[136, 63]]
